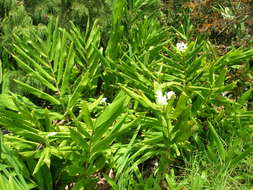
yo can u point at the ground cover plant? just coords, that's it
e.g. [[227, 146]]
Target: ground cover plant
[[150, 105]]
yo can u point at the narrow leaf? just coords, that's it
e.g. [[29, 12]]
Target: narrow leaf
[[38, 93]]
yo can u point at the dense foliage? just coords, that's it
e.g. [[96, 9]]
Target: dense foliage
[[125, 94]]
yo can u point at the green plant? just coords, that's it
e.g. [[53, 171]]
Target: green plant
[[13, 172], [198, 78], [36, 126], [136, 113]]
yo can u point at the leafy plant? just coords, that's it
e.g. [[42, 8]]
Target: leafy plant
[[198, 80], [38, 136], [137, 112]]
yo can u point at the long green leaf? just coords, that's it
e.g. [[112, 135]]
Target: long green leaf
[[43, 160], [66, 75], [104, 121], [220, 147], [38, 93]]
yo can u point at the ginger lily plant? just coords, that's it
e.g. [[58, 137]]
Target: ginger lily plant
[[164, 99]]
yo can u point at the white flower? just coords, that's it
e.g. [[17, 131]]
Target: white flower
[[163, 99], [160, 98], [170, 94], [181, 46], [103, 101], [158, 93]]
